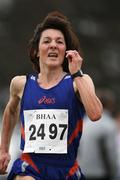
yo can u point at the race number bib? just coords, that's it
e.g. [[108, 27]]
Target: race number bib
[[46, 131]]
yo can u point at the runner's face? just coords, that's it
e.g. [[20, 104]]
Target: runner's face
[[52, 48]]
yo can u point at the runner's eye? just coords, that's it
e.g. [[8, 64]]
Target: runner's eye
[[60, 42], [46, 41]]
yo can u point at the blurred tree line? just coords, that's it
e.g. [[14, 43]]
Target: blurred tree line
[[96, 22]]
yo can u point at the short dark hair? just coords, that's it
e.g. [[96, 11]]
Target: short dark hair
[[54, 20]]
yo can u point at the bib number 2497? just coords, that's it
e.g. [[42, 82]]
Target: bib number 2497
[[46, 131]]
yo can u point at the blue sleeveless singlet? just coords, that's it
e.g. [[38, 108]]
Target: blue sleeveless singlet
[[61, 96]]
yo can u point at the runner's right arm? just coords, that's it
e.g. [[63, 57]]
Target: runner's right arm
[[10, 118]]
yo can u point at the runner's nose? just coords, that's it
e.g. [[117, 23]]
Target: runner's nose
[[53, 44]]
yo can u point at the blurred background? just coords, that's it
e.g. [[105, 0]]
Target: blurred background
[[96, 22]]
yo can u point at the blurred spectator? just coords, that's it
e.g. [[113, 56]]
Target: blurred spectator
[[97, 154], [117, 117], [14, 148]]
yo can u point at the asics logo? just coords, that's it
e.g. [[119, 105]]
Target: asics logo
[[46, 100]]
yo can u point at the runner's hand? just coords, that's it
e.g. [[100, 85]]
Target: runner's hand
[[4, 161], [74, 61]]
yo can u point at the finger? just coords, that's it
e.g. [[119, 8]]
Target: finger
[[4, 166], [7, 160], [76, 53], [70, 55], [3, 169], [1, 163], [70, 51], [73, 53]]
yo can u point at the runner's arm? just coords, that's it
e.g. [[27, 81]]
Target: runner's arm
[[86, 90], [10, 118]]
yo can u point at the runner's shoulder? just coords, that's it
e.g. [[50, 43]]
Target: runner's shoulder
[[17, 84]]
